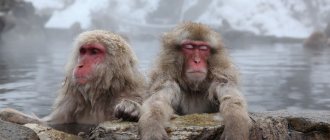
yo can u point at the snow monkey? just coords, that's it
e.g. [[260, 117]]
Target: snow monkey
[[193, 74], [102, 83]]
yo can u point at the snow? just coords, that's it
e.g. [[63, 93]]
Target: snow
[[262, 17], [43, 4], [77, 12], [80, 12], [259, 16]]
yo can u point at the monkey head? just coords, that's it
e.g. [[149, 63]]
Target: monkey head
[[99, 55], [193, 46], [196, 54], [89, 56]]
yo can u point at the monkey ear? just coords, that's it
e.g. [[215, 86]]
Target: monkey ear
[[164, 36], [165, 39], [64, 81]]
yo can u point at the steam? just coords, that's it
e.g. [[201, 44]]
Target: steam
[[286, 18]]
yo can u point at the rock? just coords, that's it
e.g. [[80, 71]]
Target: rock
[[266, 125], [197, 126], [47, 133], [291, 125], [11, 131]]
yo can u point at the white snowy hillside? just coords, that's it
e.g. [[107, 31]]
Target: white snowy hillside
[[282, 18]]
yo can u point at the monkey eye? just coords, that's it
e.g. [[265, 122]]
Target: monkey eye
[[82, 51], [188, 46], [203, 48], [94, 51]]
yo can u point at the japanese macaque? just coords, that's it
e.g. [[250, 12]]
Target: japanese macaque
[[102, 83], [193, 74], [316, 39]]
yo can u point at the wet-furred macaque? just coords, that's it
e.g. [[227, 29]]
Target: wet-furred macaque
[[102, 83], [316, 39], [193, 74]]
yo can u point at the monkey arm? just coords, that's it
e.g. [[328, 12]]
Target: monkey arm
[[134, 96], [157, 111], [128, 106], [18, 117], [128, 110], [65, 106], [234, 111]]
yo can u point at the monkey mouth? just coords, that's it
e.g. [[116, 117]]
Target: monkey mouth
[[196, 72], [80, 79], [196, 76]]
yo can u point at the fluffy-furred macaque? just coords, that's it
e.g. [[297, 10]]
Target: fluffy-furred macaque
[[102, 83], [316, 39], [193, 75]]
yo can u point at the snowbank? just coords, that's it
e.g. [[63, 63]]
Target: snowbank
[[286, 18]]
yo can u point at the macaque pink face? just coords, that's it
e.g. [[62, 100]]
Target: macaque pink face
[[196, 54], [89, 56]]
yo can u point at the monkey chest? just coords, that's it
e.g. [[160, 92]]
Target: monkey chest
[[189, 105]]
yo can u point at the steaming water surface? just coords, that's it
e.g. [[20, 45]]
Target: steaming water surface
[[274, 76]]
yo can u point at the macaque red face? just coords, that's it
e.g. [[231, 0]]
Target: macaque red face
[[89, 56], [196, 54]]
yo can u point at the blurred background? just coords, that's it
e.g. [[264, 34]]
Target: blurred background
[[282, 48]]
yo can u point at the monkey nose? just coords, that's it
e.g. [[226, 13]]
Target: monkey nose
[[197, 60], [80, 66]]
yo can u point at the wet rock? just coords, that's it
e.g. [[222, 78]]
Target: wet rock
[[266, 125], [197, 126], [115, 130], [11, 131], [292, 125], [47, 133]]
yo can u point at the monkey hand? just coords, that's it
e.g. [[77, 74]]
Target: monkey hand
[[14, 116], [128, 110], [151, 129], [236, 128]]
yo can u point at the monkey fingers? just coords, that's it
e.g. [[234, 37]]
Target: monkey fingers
[[236, 127], [127, 110], [152, 129]]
